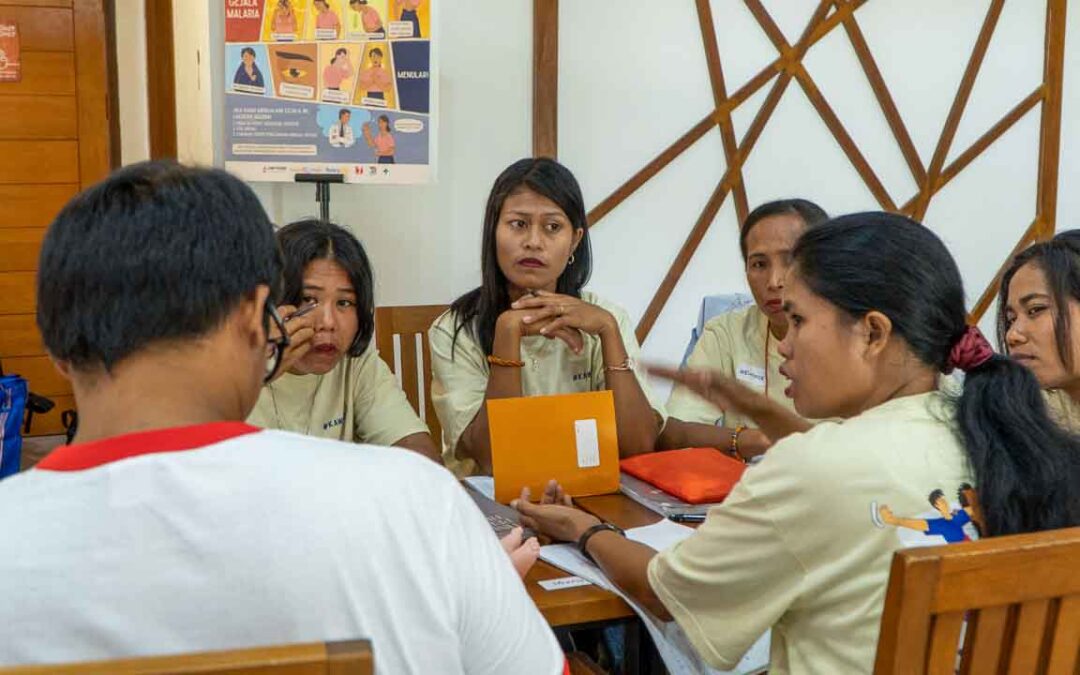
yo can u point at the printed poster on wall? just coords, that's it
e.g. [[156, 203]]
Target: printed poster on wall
[[329, 86], [10, 66]]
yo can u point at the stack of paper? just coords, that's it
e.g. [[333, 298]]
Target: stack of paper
[[671, 642]]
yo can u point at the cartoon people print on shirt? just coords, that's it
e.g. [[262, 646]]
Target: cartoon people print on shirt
[[951, 524]]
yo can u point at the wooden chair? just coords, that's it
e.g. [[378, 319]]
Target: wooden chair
[[351, 657], [1013, 601], [410, 324]]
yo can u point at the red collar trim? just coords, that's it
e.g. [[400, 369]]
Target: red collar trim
[[97, 453]]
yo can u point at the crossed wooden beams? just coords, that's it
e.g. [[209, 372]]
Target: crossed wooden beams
[[788, 66]]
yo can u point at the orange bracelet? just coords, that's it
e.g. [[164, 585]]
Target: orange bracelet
[[505, 363]]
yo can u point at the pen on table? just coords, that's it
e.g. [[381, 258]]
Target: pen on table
[[687, 517], [301, 312]]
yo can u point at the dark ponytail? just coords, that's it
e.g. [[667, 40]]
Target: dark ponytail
[[1027, 468]]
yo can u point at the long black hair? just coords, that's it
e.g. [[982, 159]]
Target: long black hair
[[1027, 468], [311, 239], [477, 310], [1059, 259], [811, 214]]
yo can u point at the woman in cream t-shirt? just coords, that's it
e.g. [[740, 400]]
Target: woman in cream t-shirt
[[803, 545], [530, 329], [744, 343], [333, 383], [1038, 306]]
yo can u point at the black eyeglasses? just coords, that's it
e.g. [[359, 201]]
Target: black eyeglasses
[[275, 347]]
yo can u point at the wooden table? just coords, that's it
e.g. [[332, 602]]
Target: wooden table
[[588, 604]]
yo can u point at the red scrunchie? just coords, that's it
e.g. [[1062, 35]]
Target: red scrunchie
[[970, 351]]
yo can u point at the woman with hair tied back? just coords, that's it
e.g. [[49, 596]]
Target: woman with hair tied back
[[875, 308]]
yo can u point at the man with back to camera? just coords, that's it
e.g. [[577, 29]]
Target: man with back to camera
[[170, 525]]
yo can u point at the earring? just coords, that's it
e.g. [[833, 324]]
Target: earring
[[571, 260]]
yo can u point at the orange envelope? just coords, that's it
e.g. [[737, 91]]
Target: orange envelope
[[568, 437]]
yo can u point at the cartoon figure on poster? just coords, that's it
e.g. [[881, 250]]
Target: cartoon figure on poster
[[381, 142], [249, 78], [410, 18], [285, 22], [953, 524], [327, 20], [294, 70], [338, 72], [364, 19], [341, 134], [375, 84]]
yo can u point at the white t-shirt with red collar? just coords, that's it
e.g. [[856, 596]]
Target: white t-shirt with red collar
[[223, 536]]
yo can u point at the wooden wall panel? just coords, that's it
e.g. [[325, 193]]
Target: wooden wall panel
[[56, 138], [39, 162], [47, 73], [36, 3], [18, 294], [33, 205], [19, 248], [39, 370], [19, 336], [42, 29], [38, 117]]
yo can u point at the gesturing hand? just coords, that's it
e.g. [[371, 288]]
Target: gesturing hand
[[554, 516]]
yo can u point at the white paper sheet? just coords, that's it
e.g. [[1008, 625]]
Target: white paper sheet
[[671, 642]]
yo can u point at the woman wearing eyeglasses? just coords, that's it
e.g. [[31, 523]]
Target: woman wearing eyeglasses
[[330, 381]]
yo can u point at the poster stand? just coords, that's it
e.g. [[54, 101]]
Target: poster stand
[[322, 189]]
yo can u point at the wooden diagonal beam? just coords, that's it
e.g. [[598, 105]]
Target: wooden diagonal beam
[[957, 110], [737, 98], [884, 97], [1050, 128], [712, 207], [651, 169], [847, 144], [983, 142], [991, 290], [719, 91], [979, 146], [701, 226], [828, 115]]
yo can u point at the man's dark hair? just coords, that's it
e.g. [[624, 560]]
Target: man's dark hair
[[157, 251], [934, 496], [343, 112], [375, 51], [247, 50]]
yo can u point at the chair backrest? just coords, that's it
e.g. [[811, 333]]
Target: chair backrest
[[999, 605], [410, 324], [714, 305], [350, 657]]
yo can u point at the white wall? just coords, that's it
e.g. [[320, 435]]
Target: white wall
[[131, 80], [632, 79]]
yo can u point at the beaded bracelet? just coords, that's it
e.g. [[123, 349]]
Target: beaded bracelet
[[505, 363]]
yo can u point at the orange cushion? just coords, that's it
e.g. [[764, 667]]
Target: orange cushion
[[694, 475]]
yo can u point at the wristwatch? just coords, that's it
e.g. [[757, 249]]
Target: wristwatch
[[583, 541]]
